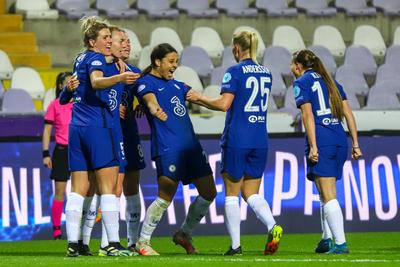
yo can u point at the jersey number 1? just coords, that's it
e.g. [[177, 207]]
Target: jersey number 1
[[254, 84], [323, 110]]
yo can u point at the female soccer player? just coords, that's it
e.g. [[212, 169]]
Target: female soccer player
[[323, 106], [174, 148], [59, 116], [244, 96], [92, 145]]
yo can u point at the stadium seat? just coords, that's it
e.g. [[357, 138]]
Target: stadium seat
[[392, 56], [380, 98], [166, 35], [371, 38], [76, 9], [236, 8], [217, 74], [157, 9], [227, 58], [38, 9], [316, 8], [17, 101], [261, 44], [29, 80], [396, 37], [389, 7], [144, 58], [288, 37], [353, 100], [276, 8], [360, 58], [189, 76], [290, 103], [1, 90], [136, 47], [198, 8], [6, 68], [279, 59], [49, 96], [330, 37], [212, 91], [116, 9], [353, 81], [326, 57], [278, 84], [355, 8], [387, 72], [198, 59], [208, 39]]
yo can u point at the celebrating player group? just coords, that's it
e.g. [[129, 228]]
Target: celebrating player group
[[105, 156]]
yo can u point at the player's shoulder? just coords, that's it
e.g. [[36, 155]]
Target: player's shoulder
[[133, 68]]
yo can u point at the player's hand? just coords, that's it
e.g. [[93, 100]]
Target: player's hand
[[158, 113], [193, 96], [122, 112], [72, 83], [129, 77], [356, 153], [313, 155], [139, 111], [47, 162]]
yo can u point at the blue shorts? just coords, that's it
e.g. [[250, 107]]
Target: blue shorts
[[91, 148], [133, 152], [330, 162], [121, 151], [184, 166], [238, 162]]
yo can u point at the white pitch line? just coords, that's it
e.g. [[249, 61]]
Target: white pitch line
[[287, 260]]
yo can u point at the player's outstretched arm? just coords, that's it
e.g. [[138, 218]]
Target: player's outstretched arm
[[221, 103], [152, 104], [351, 125], [309, 124]]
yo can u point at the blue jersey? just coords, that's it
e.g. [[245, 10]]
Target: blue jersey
[[311, 88], [245, 123], [88, 108], [176, 133]]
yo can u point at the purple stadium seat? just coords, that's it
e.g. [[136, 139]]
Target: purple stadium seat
[[116, 9], [1, 89], [360, 58], [217, 74], [76, 9], [316, 8], [198, 8], [198, 59], [382, 99], [387, 72], [278, 58], [353, 101], [290, 103], [236, 8], [392, 56], [326, 57], [389, 7], [353, 81], [276, 8], [17, 101], [227, 57], [355, 7], [157, 9], [278, 84]]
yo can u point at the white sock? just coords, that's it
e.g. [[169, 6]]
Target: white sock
[[261, 208], [232, 219], [73, 212], [334, 216], [110, 216], [326, 231], [197, 210], [132, 212], [153, 217], [90, 220], [104, 237]]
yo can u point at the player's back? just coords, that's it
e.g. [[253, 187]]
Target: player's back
[[245, 124]]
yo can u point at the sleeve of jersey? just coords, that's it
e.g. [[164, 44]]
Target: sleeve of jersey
[[98, 62], [143, 88], [301, 94], [186, 87], [65, 96], [49, 117], [229, 83], [341, 91]]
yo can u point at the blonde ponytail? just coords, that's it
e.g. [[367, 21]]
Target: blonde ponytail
[[253, 46]]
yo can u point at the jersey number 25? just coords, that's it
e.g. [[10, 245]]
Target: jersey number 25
[[257, 85]]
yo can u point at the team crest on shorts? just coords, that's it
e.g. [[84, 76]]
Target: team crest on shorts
[[172, 168]]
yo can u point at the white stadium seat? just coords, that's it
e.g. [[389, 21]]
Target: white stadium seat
[[29, 80]]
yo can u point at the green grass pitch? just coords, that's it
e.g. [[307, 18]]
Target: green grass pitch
[[366, 249]]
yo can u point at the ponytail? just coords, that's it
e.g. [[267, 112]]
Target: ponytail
[[146, 71], [253, 46]]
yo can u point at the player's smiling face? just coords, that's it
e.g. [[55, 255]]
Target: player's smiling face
[[127, 51], [102, 44], [118, 44], [167, 65], [295, 67]]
